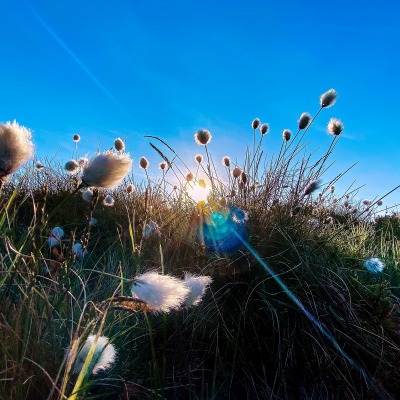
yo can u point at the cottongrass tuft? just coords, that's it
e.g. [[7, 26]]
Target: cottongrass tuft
[[335, 126], [189, 177], [76, 138], [130, 188], [304, 120], [103, 358], [16, 148], [202, 137], [379, 203], [366, 202], [264, 128], [87, 195], [160, 292], [39, 165], [71, 166], [226, 161], [57, 234], [236, 172], [286, 134], [144, 163], [106, 170], [312, 187], [256, 123], [119, 145], [332, 189], [80, 254], [374, 265], [83, 161], [199, 158], [162, 165], [108, 201], [150, 229], [93, 221], [197, 286], [328, 98]]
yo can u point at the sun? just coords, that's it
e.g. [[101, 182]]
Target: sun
[[199, 191]]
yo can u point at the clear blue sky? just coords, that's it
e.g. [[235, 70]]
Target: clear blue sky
[[168, 68]]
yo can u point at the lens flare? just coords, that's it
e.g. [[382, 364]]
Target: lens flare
[[222, 231]]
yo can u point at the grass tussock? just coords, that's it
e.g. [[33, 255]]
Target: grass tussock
[[287, 305]]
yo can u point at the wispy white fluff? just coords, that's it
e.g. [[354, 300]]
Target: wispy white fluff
[[151, 228], [80, 254], [374, 265], [108, 201], [103, 358], [71, 166], [87, 195], [197, 286], [160, 292], [83, 161], [16, 148], [58, 232], [93, 221], [106, 170], [56, 235], [328, 98]]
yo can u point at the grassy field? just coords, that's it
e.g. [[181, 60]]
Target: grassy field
[[297, 291]]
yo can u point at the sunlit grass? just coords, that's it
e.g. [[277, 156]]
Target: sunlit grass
[[254, 283]]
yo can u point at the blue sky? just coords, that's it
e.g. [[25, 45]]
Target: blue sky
[[130, 68]]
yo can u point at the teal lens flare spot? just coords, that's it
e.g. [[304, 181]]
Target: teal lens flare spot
[[223, 231]]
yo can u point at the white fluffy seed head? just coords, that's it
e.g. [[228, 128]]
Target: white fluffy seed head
[[236, 172], [286, 134], [16, 148], [304, 120], [328, 98], [108, 201], [312, 187], [160, 292], [130, 188], [93, 221], [256, 123], [71, 166], [198, 158], [76, 138], [226, 161], [264, 128], [83, 161], [57, 234], [162, 165], [87, 195], [151, 228], [119, 145], [197, 286], [106, 170], [335, 126], [202, 137], [80, 254], [189, 177], [144, 163], [103, 358]]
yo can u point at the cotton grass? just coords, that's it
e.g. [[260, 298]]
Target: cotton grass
[[103, 358], [160, 292], [106, 170], [16, 148]]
